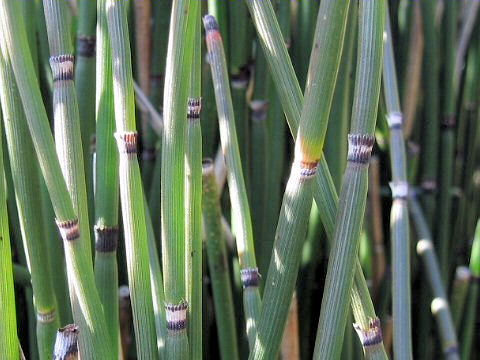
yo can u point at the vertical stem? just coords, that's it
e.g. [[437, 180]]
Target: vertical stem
[[218, 265], [84, 78], [131, 192], [106, 182], [193, 191], [177, 83], [399, 225], [341, 265], [13, 39], [238, 194], [8, 325], [27, 186]]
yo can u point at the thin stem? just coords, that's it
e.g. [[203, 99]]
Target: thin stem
[[236, 184], [177, 83], [218, 265], [13, 40], [84, 78], [8, 325], [399, 225], [439, 306], [193, 192], [341, 264], [27, 186], [297, 200], [324, 192], [106, 182], [131, 192]]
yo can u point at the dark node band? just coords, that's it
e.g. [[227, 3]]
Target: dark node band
[[259, 110], [176, 316], [250, 277], [86, 46], [106, 238], [210, 23], [240, 79], [475, 278], [69, 229], [429, 186], [450, 350], [360, 148], [448, 122], [194, 108], [149, 153], [371, 336], [126, 142], [62, 67]]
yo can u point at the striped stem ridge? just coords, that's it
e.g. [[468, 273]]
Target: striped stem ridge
[[66, 343], [291, 229], [341, 264], [26, 181], [131, 191], [238, 194], [106, 182], [172, 200], [14, 42], [8, 325], [324, 192]]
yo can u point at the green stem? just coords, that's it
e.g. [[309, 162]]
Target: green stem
[[177, 83], [13, 39], [131, 192], [341, 264], [193, 194], [106, 183], [84, 78], [8, 325], [439, 305], [324, 192], [218, 265], [27, 186], [399, 225], [236, 184]]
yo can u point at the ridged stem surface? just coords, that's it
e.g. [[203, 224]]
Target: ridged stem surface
[[131, 191]]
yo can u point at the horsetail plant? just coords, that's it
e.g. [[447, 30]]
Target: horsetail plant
[[297, 202], [193, 190], [288, 89], [341, 264], [447, 139], [439, 305], [431, 124], [399, 225], [459, 293], [14, 42], [218, 264], [106, 182], [66, 115], [8, 326], [156, 278], [468, 330], [177, 85], [238, 195], [131, 191], [84, 78], [27, 185]]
